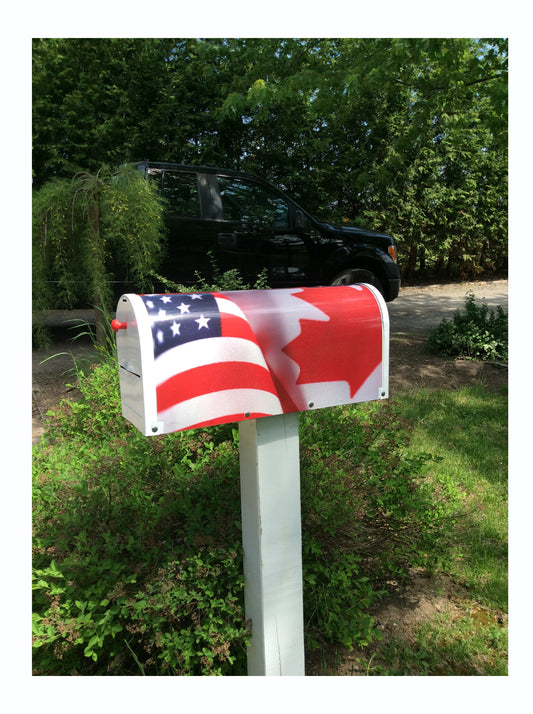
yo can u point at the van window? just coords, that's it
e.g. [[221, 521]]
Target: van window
[[250, 202], [181, 191]]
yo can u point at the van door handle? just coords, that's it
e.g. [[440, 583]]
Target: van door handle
[[226, 240]]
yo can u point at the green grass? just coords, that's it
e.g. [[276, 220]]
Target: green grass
[[455, 646], [467, 429]]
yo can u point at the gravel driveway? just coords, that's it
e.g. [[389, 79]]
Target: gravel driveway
[[418, 309]]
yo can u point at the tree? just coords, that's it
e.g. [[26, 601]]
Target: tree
[[89, 230], [406, 136], [95, 102]]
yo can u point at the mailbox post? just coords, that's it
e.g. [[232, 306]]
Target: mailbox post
[[272, 544], [256, 357]]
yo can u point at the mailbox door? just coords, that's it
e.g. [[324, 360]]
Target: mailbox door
[[136, 365]]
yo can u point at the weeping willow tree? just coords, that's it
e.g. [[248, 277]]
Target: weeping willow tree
[[89, 232]]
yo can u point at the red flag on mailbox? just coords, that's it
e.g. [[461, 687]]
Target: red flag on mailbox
[[222, 357]]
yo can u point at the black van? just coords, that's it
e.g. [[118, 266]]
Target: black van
[[248, 224]]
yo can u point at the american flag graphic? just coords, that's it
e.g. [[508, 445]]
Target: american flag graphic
[[209, 367], [223, 357]]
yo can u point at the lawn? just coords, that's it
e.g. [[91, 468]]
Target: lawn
[[465, 633]]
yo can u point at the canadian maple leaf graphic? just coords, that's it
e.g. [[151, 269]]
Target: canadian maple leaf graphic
[[348, 346]]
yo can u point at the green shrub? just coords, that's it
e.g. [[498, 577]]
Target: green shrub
[[362, 493], [337, 596], [91, 229], [217, 282], [137, 547], [137, 542], [476, 333]]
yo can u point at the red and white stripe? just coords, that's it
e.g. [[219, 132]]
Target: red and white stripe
[[220, 379]]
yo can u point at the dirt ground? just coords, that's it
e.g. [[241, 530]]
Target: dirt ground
[[411, 364]]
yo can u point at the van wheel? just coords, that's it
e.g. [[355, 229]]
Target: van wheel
[[357, 275]]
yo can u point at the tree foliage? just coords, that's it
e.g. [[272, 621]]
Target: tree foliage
[[403, 135], [90, 229]]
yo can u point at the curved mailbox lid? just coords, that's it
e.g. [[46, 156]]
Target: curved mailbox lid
[[191, 360]]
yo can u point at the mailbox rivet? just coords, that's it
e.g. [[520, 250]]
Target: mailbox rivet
[[310, 404], [155, 429], [247, 414]]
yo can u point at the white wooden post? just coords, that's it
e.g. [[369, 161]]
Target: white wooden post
[[272, 542]]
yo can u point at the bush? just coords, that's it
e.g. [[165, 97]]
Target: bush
[[217, 282], [137, 542], [476, 333], [362, 494], [137, 549]]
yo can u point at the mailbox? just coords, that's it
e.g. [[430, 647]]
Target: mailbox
[[198, 359]]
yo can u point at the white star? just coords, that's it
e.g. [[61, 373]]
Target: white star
[[166, 298], [202, 321], [161, 314], [183, 308], [159, 337], [196, 297], [175, 327], [149, 303]]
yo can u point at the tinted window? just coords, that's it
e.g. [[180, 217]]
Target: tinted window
[[181, 191], [249, 202]]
